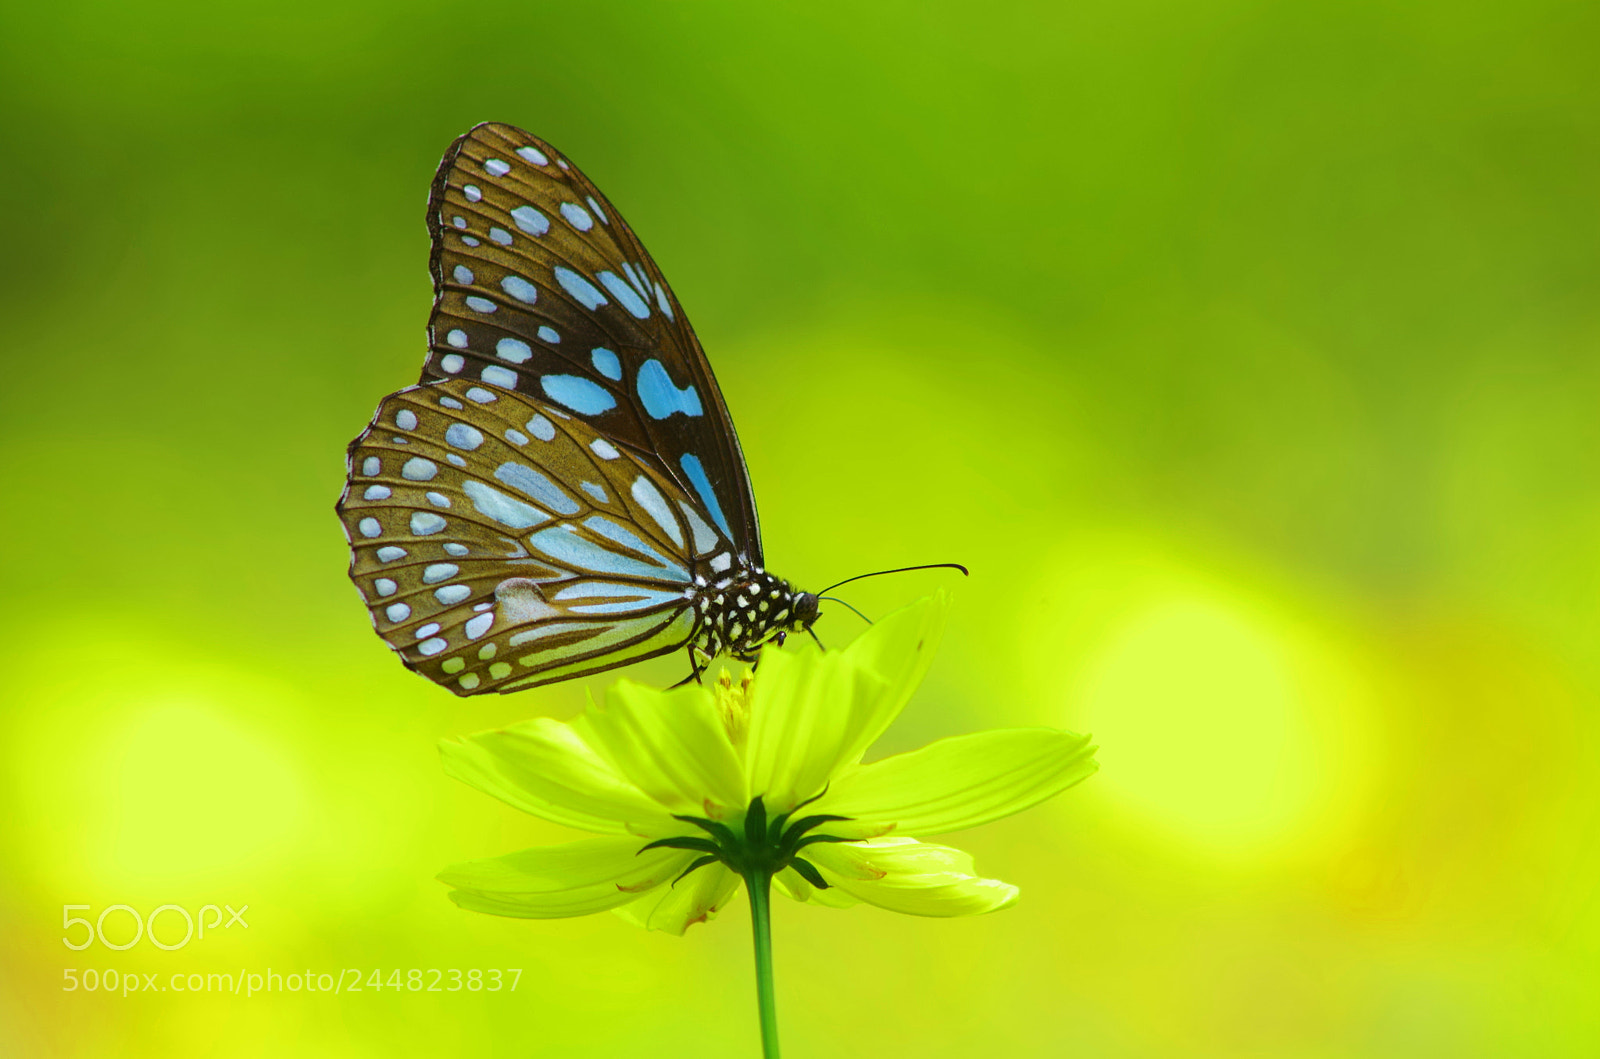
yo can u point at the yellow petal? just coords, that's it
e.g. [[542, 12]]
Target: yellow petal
[[543, 767], [568, 880], [903, 875], [672, 745], [899, 649], [958, 783], [792, 884], [695, 899], [813, 712]]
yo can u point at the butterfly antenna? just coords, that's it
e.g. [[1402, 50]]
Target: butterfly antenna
[[896, 570], [857, 613]]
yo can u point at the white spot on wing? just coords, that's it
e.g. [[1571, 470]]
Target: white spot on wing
[[603, 449], [495, 375], [503, 509], [424, 523], [437, 572], [705, 538], [533, 484], [530, 220], [513, 349], [463, 436], [450, 363], [650, 498], [418, 469], [577, 216]]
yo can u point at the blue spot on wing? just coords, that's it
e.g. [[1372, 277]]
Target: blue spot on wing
[[625, 294], [653, 599], [606, 362], [637, 279], [702, 485], [530, 220], [565, 546], [505, 510], [520, 289], [660, 397], [584, 396], [612, 531], [586, 293], [531, 483]]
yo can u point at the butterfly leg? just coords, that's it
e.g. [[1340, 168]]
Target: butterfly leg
[[696, 667]]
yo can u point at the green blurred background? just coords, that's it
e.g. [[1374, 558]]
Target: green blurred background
[[1246, 351]]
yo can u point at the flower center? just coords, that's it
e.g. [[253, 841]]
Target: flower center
[[761, 849]]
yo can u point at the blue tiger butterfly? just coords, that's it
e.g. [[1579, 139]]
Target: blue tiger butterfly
[[563, 492]]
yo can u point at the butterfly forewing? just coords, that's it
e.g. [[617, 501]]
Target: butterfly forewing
[[502, 542], [542, 288]]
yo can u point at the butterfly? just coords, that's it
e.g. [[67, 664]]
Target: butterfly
[[563, 492]]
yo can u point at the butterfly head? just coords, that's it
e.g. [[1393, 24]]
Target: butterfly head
[[805, 611]]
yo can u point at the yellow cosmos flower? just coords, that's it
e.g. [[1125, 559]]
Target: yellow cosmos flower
[[693, 790]]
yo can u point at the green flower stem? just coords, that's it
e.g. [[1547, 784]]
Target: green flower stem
[[759, 884]]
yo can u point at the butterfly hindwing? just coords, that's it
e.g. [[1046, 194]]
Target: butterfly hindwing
[[501, 542], [541, 287]]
